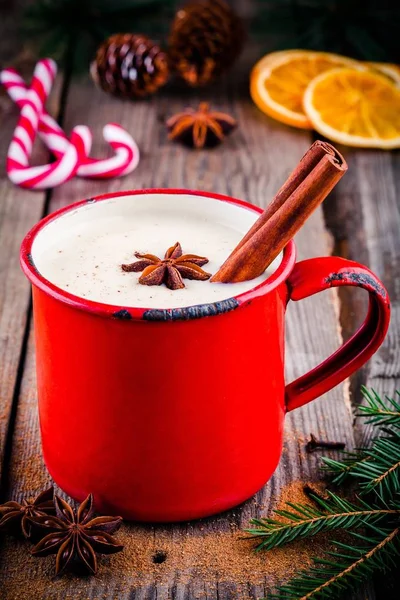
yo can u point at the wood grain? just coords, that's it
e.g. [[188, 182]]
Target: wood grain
[[364, 217], [251, 165], [19, 210]]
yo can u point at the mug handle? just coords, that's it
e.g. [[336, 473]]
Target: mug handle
[[315, 275]]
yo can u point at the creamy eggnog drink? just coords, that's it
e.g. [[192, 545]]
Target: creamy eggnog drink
[[82, 251]]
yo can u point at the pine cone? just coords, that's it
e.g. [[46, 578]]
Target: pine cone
[[130, 65], [206, 38]]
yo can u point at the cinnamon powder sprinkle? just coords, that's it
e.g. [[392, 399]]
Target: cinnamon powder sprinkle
[[165, 556]]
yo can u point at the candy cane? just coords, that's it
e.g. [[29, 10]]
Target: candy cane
[[124, 161], [126, 156], [20, 149]]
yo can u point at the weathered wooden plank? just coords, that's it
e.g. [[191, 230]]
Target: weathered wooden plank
[[381, 208], [379, 185], [251, 165], [19, 210], [364, 217]]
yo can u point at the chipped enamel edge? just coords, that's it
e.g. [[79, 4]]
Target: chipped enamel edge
[[150, 314]]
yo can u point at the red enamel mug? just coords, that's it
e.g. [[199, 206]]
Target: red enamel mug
[[151, 410]]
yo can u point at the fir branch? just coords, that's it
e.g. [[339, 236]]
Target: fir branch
[[381, 470], [379, 412], [305, 520], [341, 469], [329, 578], [376, 469], [373, 523]]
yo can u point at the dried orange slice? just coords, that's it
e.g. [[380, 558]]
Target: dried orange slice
[[391, 71], [356, 108], [278, 82]]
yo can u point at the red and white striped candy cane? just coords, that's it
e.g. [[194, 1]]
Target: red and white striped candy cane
[[49, 130], [19, 152], [125, 159]]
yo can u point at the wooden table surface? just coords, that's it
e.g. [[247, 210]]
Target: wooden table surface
[[360, 220]]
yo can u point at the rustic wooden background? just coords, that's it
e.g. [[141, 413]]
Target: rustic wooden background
[[360, 220]]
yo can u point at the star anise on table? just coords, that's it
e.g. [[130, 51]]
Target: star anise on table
[[75, 536], [201, 127], [169, 270], [15, 517]]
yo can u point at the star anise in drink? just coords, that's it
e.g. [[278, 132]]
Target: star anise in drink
[[15, 517], [201, 127], [75, 536], [169, 270]]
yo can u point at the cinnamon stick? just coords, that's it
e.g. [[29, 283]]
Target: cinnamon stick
[[309, 184], [307, 163]]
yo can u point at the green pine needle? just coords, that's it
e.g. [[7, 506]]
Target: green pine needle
[[380, 413], [373, 521], [329, 578], [375, 469], [305, 520], [380, 471], [342, 469]]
